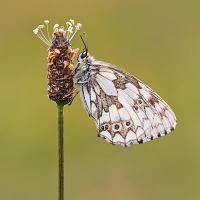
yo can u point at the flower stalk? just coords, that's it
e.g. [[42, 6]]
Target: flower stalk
[[60, 153]]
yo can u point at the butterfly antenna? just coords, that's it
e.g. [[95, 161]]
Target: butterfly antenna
[[84, 41]]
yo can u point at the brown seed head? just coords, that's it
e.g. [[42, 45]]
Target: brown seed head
[[60, 73], [60, 60]]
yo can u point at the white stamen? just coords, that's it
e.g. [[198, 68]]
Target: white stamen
[[72, 21], [61, 30], [69, 32], [78, 26], [55, 26], [44, 37], [46, 21], [47, 25], [43, 40], [35, 31], [41, 26], [73, 35], [69, 23], [70, 29]]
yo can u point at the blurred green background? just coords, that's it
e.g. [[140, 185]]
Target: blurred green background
[[156, 40]]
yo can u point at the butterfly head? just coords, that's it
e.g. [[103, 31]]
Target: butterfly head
[[84, 65], [82, 71], [84, 56]]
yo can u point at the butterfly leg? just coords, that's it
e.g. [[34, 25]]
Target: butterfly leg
[[75, 92]]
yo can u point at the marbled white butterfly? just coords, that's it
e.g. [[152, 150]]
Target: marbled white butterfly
[[126, 111]]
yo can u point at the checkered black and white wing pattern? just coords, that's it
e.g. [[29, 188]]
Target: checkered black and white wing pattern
[[126, 111]]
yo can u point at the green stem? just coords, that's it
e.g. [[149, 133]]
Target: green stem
[[60, 153]]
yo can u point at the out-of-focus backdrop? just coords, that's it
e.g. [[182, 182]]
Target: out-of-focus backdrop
[[156, 40]]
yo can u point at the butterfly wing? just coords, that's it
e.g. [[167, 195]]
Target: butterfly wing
[[126, 110]]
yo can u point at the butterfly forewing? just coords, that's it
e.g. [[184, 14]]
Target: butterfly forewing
[[126, 110]]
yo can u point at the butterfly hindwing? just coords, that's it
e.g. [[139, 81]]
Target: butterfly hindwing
[[126, 111]]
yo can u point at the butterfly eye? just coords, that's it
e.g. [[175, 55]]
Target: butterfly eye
[[83, 54]]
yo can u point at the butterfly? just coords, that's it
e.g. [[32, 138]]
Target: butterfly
[[126, 111]]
